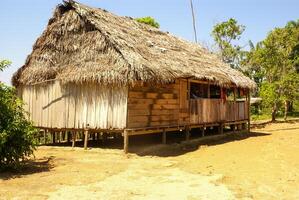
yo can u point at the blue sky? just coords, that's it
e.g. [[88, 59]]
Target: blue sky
[[22, 21]]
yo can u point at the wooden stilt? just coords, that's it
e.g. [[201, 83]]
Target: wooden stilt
[[100, 137], [59, 136], [234, 128], [53, 137], [74, 138], [126, 142], [187, 130], [203, 131], [68, 137], [104, 137], [86, 133], [243, 126], [63, 135], [45, 136], [39, 135], [248, 111], [221, 128], [164, 137]]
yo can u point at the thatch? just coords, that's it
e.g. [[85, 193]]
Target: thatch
[[83, 44]]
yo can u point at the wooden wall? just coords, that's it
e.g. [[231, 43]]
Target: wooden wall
[[217, 110], [150, 106], [75, 106], [54, 105]]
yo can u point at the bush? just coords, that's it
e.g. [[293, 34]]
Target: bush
[[148, 20], [16, 132]]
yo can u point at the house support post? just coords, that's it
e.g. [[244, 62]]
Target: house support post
[[248, 111], [53, 137], [68, 137], [187, 130], [220, 128], [164, 136], [233, 127], [126, 142], [203, 131], [74, 133], [86, 133], [104, 137], [45, 136]]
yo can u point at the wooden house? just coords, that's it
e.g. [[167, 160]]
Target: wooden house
[[94, 71]]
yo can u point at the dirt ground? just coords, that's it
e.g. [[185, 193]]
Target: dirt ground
[[264, 165]]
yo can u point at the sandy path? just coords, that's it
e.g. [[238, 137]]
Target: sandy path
[[262, 167]]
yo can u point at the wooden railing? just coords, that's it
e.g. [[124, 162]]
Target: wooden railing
[[217, 110]]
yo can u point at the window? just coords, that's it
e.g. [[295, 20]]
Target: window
[[230, 94], [215, 92], [198, 90]]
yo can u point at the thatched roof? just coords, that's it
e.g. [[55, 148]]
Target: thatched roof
[[83, 44]]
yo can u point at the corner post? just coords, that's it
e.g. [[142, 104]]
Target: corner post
[[86, 133], [126, 141]]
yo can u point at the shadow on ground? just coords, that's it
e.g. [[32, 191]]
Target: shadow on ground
[[260, 125], [151, 144], [28, 167], [177, 149]]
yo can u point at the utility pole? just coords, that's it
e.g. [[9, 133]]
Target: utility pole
[[194, 24]]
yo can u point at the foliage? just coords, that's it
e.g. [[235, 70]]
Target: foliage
[[148, 20], [4, 64], [16, 133], [269, 94], [274, 66], [224, 34]]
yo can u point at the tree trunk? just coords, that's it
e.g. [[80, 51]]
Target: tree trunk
[[286, 106], [274, 110]]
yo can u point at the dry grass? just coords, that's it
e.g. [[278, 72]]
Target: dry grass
[[83, 44]]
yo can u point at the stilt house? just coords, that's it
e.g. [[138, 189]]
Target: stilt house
[[94, 71]]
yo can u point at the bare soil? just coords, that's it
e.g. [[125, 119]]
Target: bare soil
[[263, 165]]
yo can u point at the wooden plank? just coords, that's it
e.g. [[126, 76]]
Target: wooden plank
[[164, 112], [151, 95], [137, 95], [134, 119], [169, 117], [140, 101], [138, 124], [138, 106], [166, 101], [139, 112], [168, 96], [165, 106]]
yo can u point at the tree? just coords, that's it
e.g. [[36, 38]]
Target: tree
[[4, 64], [148, 20], [224, 34], [16, 132], [274, 61]]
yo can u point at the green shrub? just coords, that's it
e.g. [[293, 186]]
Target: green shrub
[[16, 132], [148, 20]]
